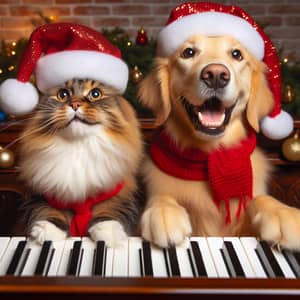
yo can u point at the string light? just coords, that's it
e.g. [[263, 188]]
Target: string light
[[1, 71], [11, 68], [13, 52], [285, 60], [14, 44]]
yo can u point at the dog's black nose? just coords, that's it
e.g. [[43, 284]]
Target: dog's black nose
[[215, 76]]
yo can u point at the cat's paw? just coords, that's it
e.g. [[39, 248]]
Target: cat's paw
[[111, 232], [165, 223], [44, 230], [277, 223]]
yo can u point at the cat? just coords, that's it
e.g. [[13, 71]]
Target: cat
[[83, 139]]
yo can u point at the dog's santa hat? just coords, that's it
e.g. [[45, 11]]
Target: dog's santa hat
[[56, 53], [212, 19]]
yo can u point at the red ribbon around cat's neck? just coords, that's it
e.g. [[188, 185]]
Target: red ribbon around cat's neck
[[82, 210], [228, 170]]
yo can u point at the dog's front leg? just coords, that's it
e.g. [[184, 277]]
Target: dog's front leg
[[165, 222], [276, 222]]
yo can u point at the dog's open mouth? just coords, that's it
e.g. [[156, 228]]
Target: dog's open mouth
[[211, 117]]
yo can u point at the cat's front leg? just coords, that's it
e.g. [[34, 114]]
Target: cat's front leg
[[44, 230], [110, 231]]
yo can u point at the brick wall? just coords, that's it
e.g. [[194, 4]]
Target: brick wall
[[282, 17]]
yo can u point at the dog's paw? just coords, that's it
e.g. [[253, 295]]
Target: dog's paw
[[44, 230], [277, 223], [165, 223], [111, 232]]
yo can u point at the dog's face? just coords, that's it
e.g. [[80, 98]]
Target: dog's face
[[208, 83]]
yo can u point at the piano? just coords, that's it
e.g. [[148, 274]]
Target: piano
[[79, 268]]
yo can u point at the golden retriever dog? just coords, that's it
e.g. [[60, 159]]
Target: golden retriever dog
[[210, 94]]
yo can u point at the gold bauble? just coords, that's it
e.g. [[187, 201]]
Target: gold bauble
[[289, 94], [7, 158], [136, 75], [291, 148]]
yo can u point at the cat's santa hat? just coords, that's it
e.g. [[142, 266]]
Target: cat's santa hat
[[212, 19], [59, 52]]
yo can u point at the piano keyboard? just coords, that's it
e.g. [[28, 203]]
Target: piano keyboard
[[211, 257]]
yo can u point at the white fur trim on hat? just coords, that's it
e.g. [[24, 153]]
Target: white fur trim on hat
[[209, 24], [17, 97], [55, 69], [279, 127]]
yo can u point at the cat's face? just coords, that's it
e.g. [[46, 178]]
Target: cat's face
[[73, 108]]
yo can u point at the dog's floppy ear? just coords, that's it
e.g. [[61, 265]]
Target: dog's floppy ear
[[261, 99], [154, 91]]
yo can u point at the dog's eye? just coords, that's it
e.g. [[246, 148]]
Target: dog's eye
[[63, 95], [95, 94], [188, 53], [236, 54]]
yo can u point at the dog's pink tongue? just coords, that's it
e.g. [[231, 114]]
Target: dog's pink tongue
[[209, 118]]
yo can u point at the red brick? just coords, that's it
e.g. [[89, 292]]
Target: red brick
[[9, 1], [72, 1], [284, 9], [91, 10], [32, 10], [266, 21], [138, 9], [293, 21], [42, 2], [149, 21], [79, 20], [111, 21], [15, 22], [3, 11], [162, 9]]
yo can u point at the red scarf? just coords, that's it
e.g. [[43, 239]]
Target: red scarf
[[82, 210], [228, 170]]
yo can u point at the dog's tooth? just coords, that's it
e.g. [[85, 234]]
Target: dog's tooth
[[200, 116]]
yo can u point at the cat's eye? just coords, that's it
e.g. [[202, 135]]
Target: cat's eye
[[63, 95], [188, 53], [95, 94], [236, 54]]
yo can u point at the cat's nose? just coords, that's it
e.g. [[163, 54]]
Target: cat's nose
[[75, 105]]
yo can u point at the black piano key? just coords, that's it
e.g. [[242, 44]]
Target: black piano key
[[147, 259], [232, 260], [43, 258], [201, 271], [292, 261], [74, 260], [99, 259], [23, 262], [16, 258], [268, 260], [168, 268], [192, 263], [173, 261]]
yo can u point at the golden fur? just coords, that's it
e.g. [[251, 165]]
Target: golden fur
[[178, 208]]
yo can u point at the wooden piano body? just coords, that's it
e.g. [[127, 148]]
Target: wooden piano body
[[284, 184]]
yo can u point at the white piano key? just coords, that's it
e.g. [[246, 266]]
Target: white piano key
[[32, 259], [58, 248], [88, 246], [242, 256], [134, 264], [4, 241], [284, 265], [158, 260], [206, 255], [183, 259], [109, 262], [249, 244], [65, 257], [9, 252], [120, 262], [215, 244]]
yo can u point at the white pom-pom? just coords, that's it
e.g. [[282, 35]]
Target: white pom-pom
[[18, 98], [278, 127]]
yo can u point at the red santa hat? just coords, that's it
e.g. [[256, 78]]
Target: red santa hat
[[56, 53], [212, 19]]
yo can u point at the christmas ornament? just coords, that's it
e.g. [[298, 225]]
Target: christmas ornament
[[212, 19], [288, 94], [7, 158], [291, 147], [62, 49], [136, 75], [142, 38]]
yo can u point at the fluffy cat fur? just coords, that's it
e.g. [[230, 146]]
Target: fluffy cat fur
[[83, 138]]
